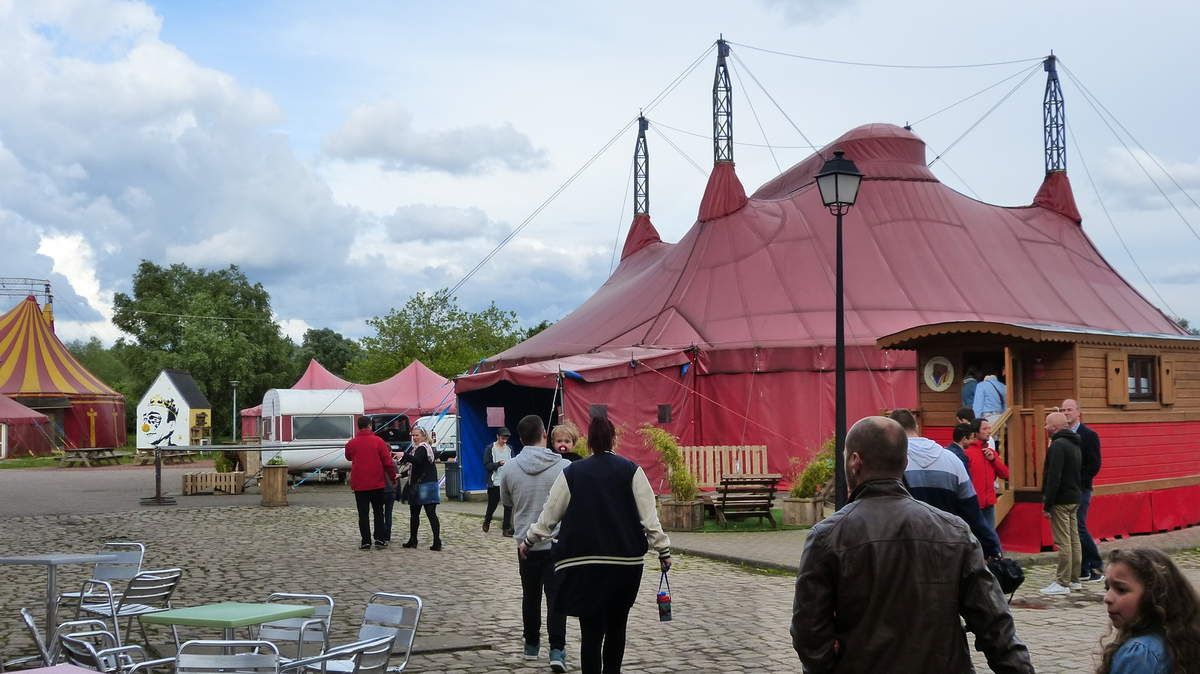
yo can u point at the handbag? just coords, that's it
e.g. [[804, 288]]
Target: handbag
[[428, 493], [1008, 574], [663, 599]]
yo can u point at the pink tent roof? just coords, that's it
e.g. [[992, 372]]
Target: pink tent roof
[[759, 271], [415, 390], [13, 412]]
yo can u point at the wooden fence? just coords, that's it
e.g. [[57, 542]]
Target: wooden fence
[[709, 463]]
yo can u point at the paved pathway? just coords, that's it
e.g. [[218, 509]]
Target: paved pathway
[[729, 618]]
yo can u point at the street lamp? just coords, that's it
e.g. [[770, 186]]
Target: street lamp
[[838, 182], [233, 424]]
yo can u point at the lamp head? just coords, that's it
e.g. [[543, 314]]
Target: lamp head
[[838, 182]]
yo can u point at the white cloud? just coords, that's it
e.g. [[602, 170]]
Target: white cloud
[[1122, 178], [807, 11], [384, 132], [74, 259], [294, 328]]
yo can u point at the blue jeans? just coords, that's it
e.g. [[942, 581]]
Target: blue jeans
[[989, 516], [1091, 554]]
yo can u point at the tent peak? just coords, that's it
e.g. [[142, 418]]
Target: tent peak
[[641, 234], [881, 152], [1056, 195], [724, 193]]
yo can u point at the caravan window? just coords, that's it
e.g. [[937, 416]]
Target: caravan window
[[322, 427]]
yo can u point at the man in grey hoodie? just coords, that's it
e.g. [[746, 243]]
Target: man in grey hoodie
[[524, 487], [937, 477]]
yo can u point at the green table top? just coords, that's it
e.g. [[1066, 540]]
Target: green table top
[[228, 614]]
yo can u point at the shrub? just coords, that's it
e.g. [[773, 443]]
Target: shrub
[[683, 484], [816, 474], [222, 463]]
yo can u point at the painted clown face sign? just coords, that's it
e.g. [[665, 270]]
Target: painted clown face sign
[[157, 426]]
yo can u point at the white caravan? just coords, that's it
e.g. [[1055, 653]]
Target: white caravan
[[321, 419], [446, 430]]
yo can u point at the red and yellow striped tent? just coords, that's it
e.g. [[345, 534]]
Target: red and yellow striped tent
[[38, 371]]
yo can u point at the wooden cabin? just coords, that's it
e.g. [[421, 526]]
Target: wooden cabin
[[1140, 392]]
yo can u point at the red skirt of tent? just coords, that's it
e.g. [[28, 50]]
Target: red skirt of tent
[[94, 422]]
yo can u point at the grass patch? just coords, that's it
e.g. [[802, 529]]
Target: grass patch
[[711, 525], [30, 462]]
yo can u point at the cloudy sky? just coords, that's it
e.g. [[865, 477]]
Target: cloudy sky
[[349, 154]]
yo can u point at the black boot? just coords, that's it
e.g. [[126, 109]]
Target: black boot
[[412, 543]]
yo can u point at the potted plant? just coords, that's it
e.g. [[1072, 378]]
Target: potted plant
[[683, 511], [803, 505]]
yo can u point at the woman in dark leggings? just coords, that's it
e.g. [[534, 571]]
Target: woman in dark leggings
[[424, 472], [608, 521]]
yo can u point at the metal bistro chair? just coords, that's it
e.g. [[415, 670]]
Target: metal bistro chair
[[98, 650], [369, 656], [48, 650], [302, 631], [125, 567], [390, 614], [147, 592], [226, 657]]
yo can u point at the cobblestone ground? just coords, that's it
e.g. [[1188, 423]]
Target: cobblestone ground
[[728, 619]]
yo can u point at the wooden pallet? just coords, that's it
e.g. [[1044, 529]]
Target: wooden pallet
[[213, 483], [710, 463]]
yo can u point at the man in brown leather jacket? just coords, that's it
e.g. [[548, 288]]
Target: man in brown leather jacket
[[883, 581]]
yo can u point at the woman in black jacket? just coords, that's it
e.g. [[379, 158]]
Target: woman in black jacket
[[423, 490], [608, 522]]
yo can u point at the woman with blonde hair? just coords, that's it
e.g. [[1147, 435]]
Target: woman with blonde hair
[[423, 488]]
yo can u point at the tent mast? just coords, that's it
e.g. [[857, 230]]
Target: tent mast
[[641, 170], [1054, 119], [722, 107]]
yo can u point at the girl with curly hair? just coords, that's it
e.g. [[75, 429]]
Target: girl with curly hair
[[1155, 612]]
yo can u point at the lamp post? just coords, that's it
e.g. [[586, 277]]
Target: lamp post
[[233, 423], [838, 182]]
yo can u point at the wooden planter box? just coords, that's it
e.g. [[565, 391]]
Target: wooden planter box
[[802, 512], [213, 483], [681, 516]]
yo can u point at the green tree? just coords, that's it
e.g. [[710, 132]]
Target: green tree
[[433, 328], [330, 349], [1187, 326], [216, 325], [534, 329]]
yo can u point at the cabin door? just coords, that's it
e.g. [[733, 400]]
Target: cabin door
[[1008, 433]]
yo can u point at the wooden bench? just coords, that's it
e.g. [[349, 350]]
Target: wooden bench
[[710, 463], [739, 496], [169, 456], [89, 455]]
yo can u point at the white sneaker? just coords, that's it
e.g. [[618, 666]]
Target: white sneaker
[[1076, 586], [1055, 588]]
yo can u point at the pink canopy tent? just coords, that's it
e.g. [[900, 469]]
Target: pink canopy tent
[[414, 391], [28, 431], [748, 295]]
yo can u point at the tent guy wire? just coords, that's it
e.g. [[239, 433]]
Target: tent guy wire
[[754, 113], [977, 93], [1097, 106], [985, 115], [901, 66], [778, 107]]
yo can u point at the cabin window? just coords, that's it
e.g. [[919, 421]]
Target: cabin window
[[322, 427], [1141, 378]]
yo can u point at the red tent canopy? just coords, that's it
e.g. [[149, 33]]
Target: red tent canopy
[[748, 294], [762, 275]]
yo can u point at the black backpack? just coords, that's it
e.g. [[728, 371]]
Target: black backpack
[[1008, 574]]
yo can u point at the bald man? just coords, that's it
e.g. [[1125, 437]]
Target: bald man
[[1060, 501], [883, 581], [1092, 568]]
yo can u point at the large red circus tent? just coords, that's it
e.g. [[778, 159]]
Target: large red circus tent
[[726, 336], [414, 391], [38, 371], [23, 432]]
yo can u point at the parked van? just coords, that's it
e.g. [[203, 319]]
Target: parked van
[[445, 429], [310, 427]]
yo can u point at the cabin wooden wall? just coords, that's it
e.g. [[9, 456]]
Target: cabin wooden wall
[[1182, 380]]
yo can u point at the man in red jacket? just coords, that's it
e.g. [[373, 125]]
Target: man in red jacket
[[371, 469]]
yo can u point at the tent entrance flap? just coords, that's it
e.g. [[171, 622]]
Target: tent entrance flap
[[475, 435]]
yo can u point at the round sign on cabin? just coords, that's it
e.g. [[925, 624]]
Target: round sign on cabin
[[939, 373]]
